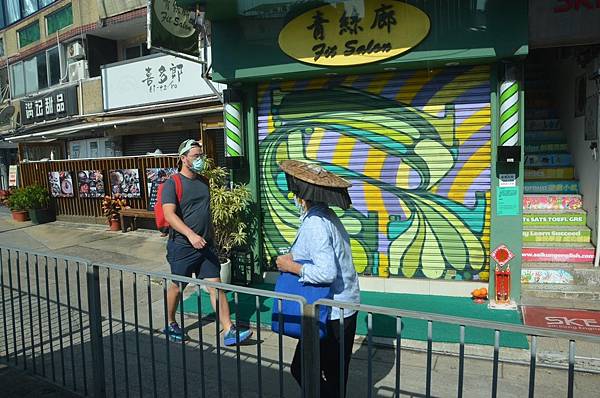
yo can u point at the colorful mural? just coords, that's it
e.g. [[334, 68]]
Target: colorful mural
[[416, 147]]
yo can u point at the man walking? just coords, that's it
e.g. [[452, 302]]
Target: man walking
[[189, 247]]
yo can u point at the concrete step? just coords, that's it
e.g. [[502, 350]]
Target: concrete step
[[556, 187], [548, 159], [552, 218], [552, 202], [545, 137], [549, 173], [542, 124], [543, 148], [567, 296], [548, 252], [560, 235], [560, 273]]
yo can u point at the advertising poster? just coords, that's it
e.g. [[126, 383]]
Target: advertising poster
[[61, 184], [91, 183], [125, 182], [155, 177]]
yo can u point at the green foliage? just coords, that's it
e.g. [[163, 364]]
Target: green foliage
[[229, 208], [39, 198], [19, 200]]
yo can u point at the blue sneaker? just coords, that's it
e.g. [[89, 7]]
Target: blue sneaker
[[174, 332], [230, 337]]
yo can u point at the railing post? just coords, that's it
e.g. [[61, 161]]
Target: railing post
[[95, 313], [311, 367]]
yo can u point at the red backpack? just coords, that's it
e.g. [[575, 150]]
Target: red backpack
[[161, 223]]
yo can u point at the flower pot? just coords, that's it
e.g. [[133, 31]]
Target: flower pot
[[41, 216], [225, 273], [20, 215], [115, 225]]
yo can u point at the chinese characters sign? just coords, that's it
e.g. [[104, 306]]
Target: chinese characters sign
[[51, 105], [335, 35], [161, 79], [151, 80]]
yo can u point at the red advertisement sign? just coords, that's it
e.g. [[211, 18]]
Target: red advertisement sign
[[581, 321]]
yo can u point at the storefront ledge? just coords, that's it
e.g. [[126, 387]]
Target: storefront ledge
[[419, 286], [405, 285], [81, 219]]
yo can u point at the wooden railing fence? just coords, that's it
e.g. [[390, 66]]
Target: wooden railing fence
[[37, 172]]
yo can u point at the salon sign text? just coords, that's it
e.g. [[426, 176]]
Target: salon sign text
[[339, 35]]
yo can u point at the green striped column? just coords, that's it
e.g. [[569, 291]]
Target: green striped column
[[234, 144], [509, 113]]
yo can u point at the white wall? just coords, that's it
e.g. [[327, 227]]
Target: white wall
[[564, 74]]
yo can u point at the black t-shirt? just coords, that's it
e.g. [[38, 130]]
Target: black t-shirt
[[194, 208]]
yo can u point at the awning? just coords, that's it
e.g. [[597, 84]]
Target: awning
[[67, 130]]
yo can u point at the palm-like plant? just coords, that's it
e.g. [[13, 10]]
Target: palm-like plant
[[229, 206]]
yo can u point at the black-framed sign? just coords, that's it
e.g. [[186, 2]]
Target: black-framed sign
[[50, 105]]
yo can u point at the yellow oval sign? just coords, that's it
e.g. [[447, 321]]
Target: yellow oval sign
[[343, 35]]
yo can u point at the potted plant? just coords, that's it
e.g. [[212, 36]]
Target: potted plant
[[18, 202], [229, 207], [111, 208], [39, 204]]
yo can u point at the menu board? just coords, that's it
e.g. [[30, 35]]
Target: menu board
[[155, 177]]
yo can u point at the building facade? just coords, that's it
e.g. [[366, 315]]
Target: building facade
[[402, 99], [83, 86]]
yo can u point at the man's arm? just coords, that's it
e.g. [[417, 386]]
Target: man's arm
[[178, 225]]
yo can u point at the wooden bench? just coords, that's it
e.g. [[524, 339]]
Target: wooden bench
[[129, 216]]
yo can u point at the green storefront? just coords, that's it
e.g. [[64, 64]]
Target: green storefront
[[417, 103]]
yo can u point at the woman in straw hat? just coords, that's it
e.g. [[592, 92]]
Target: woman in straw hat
[[323, 246]]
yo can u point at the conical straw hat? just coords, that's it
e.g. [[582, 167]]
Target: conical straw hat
[[313, 173]]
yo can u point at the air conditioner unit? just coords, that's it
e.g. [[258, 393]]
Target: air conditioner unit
[[78, 71], [75, 50]]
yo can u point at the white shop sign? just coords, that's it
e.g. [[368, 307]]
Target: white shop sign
[[152, 79]]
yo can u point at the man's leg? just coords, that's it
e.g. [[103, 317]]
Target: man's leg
[[224, 313], [172, 302]]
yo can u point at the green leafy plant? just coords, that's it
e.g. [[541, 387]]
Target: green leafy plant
[[229, 209], [111, 207], [38, 196], [19, 200]]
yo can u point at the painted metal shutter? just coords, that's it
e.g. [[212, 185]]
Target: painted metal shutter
[[416, 147]]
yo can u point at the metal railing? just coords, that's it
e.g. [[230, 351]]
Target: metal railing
[[96, 329], [534, 333]]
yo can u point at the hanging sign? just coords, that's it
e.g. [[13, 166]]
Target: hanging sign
[[339, 35], [13, 175], [50, 105], [502, 255], [171, 28]]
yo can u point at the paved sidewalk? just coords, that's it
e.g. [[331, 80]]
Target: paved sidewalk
[[145, 250], [15, 383]]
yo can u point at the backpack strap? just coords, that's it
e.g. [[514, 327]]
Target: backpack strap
[[178, 186], [179, 193]]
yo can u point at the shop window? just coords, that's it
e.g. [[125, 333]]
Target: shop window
[[12, 10], [28, 7], [41, 71], [59, 19], [18, 80], [29, 34], [4, 86], [2, 19], [135, 51]]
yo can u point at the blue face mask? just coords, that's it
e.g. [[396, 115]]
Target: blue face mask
[[198, 165]]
